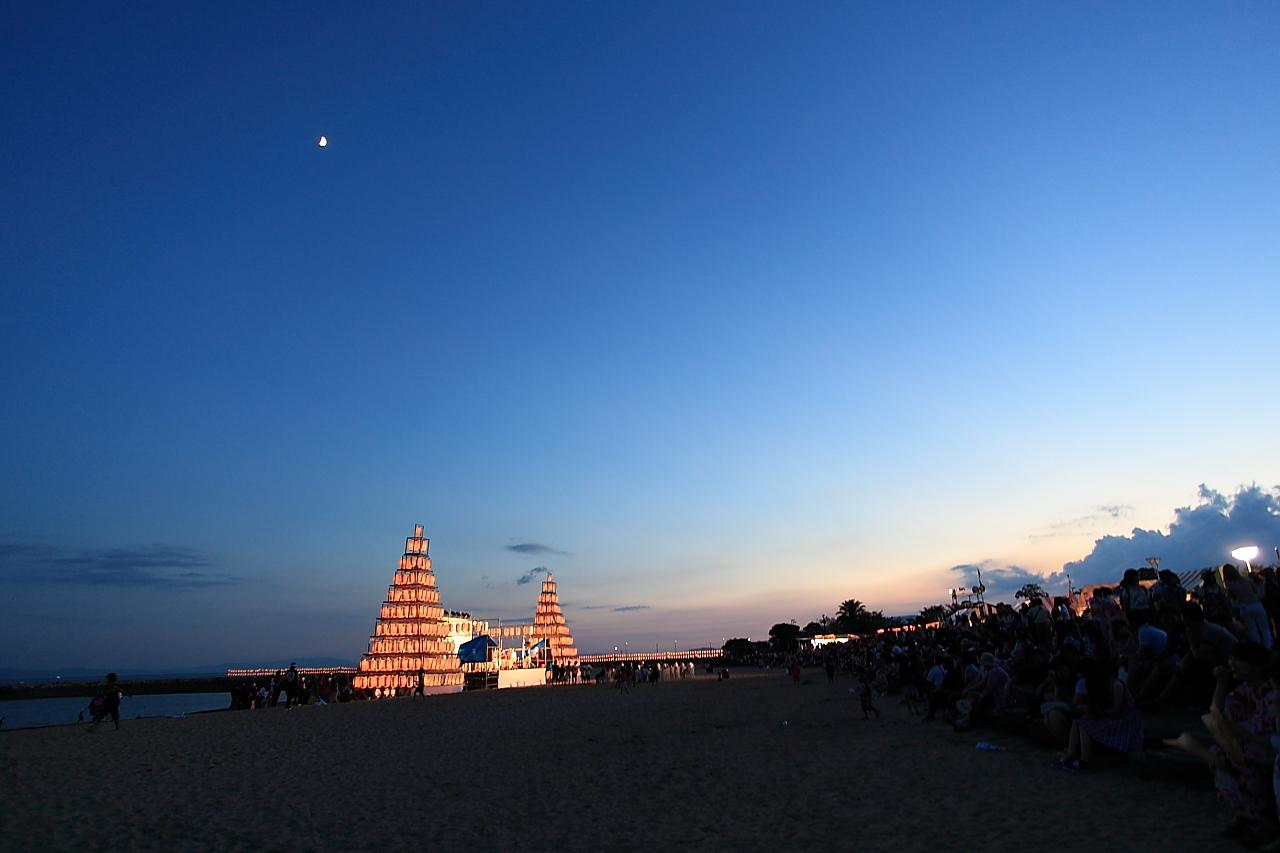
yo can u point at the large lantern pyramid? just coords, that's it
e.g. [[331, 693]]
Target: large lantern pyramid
[[411, 635], [549, 624]]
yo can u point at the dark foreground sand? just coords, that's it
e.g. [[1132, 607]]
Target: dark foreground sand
[[683, 765]]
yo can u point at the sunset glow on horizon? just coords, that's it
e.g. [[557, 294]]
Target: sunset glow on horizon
[[721, 314]]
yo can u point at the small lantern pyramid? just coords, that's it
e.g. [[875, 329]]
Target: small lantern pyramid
[[411, 635], [549, 624]]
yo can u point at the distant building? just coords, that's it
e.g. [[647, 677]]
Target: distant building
[[817, 641], [463, 628]]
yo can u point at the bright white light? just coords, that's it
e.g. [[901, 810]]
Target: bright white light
[[322, 141], [1248, 553]]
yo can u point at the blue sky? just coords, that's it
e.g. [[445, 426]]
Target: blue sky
[[742, 310]]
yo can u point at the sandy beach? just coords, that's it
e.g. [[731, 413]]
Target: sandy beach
[[691, 764]]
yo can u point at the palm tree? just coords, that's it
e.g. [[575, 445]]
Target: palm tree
[[932, 613], [851, 612]]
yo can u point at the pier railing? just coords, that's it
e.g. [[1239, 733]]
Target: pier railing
[[618, 657], [302, 670]]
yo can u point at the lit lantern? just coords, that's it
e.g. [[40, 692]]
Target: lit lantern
[[409, 634], [549, 624]]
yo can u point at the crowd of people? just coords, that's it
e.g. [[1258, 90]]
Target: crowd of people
[[1089, 669], [296, 688], [570, 673], [291, 687], [628, 674]]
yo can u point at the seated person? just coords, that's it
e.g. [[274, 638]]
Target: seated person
[[1208, 646], [1242, 723], [1149, 665], [1057, 698], [987, 699], [1108, 717]]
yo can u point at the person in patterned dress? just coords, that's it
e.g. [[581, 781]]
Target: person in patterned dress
[[1242, 721], [1109, 717]]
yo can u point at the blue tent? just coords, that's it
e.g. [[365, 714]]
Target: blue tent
[[476, 650]]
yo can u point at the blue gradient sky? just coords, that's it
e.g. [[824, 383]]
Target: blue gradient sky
[[742, 311]]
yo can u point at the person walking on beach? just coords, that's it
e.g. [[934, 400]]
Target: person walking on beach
[[624, 678], [290, 684], [110, 703], [867, 698]]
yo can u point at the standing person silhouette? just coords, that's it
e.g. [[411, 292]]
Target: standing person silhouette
[[1246, 601], [110, 707], [421, 689], [867, 698], [290, 684]]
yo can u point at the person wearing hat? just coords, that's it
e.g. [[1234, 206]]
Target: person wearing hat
[[994, 685], [989, 697]]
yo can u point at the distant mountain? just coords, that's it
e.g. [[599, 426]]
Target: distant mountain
[[83, 673]]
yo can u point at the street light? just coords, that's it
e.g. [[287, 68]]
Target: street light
[[1245, 554]]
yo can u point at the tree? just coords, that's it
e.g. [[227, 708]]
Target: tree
[[1030, 590], [739, 650], [815, 628], [853, 617], [932, 613], [783, 636], [851, 611]]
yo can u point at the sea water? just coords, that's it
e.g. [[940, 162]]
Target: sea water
[[25, 713]]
